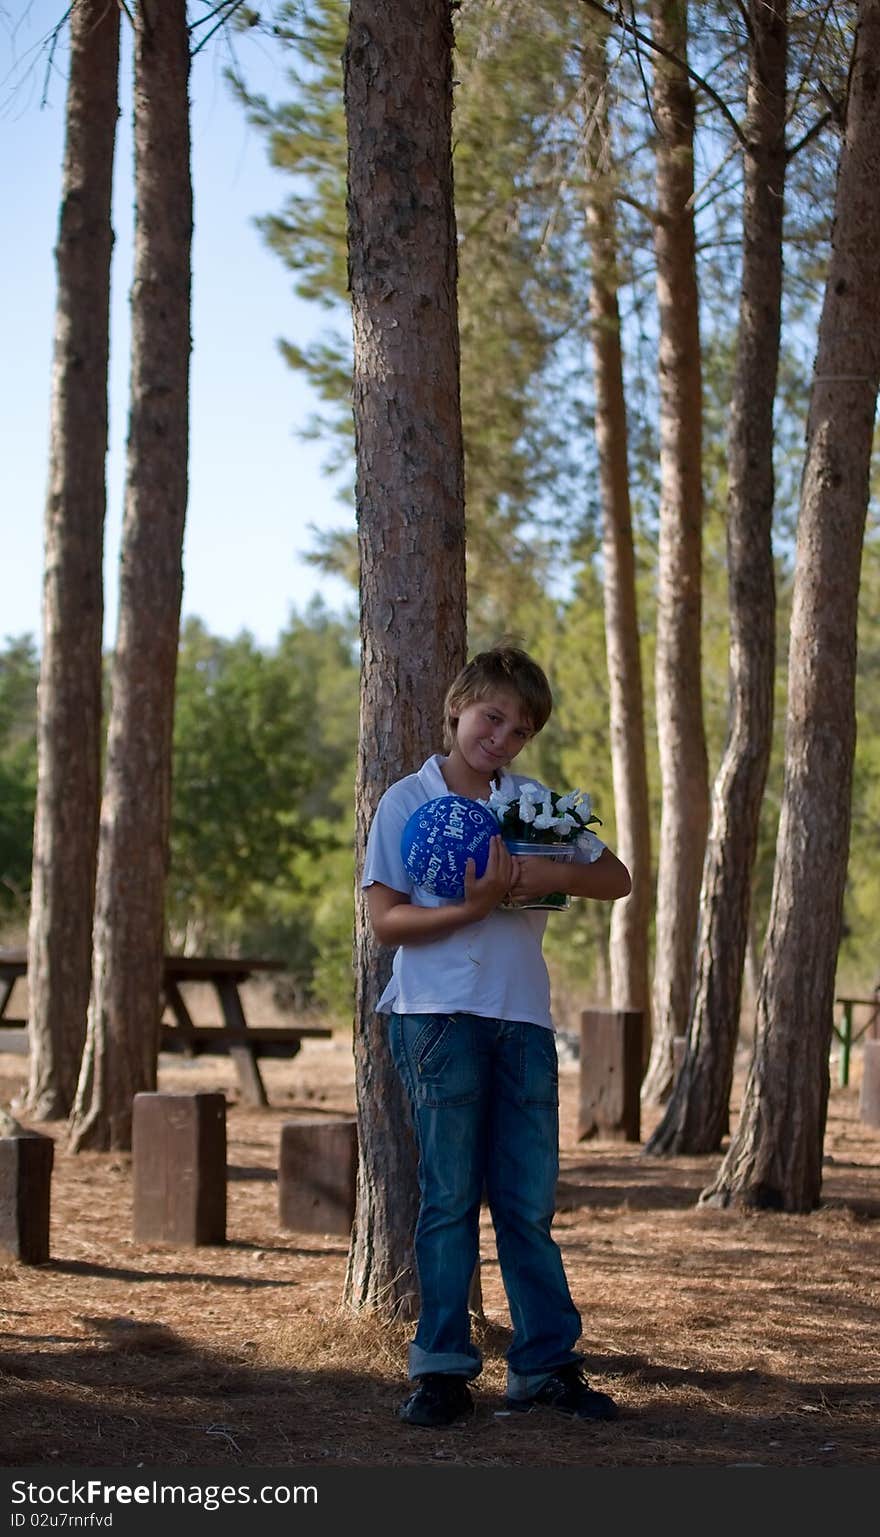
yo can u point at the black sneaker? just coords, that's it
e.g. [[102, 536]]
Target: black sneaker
[[439, 1399], [568, 1392]]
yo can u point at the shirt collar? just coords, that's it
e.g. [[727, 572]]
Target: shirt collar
[[431, 779]]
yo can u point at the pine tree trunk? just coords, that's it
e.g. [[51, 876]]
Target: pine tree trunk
[[123, 1025], [775, 1158], [696, 1117], [410, 511], [628, 949], [69, 698], [681, 736]]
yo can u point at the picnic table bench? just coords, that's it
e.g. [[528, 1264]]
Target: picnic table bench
[[847, 1034], [244, 1043]]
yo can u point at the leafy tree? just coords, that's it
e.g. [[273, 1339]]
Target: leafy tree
[[19, 673], [523, 277], [263, 801], [241, 765], [515, 304], [859, 959], [573, 750]]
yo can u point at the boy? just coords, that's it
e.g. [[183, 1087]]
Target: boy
[[472, 1038]]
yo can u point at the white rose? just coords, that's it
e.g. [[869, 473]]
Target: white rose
[[531, 792], [564, 823], [590, 845], [568, 801], [584, 807]]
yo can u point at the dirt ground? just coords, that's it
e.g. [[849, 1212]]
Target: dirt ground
[[728, 1339]]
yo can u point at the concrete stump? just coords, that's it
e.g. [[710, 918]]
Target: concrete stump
[[25, 1187], [178, 1145], [869, 1094], [610, 1075], [317, 1175]]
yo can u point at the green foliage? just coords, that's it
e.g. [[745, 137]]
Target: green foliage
[[265, 740], [262, 835], [261, 842], [19, 674], [312, 913], [519, 409], [306, 137], [567, 639], [240, 723], [860, 951]]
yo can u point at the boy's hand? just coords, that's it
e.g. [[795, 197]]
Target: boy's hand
[[536, 877], [485, 892]]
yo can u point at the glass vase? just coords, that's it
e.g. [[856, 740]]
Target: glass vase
[[556, 901]]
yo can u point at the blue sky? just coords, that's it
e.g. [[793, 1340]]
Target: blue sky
[[254, 486]]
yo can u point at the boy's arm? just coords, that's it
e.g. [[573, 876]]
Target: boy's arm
[[605, 879], [397, 921]]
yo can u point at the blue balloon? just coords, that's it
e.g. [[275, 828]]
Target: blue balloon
[[441, 837]]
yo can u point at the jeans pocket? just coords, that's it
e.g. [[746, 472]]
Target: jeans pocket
[[539, 1066], [443, 1059]]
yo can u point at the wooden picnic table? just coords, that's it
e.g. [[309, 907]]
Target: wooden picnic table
[[244, 1043], [848, 1035]]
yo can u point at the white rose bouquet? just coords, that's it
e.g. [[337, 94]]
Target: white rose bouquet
[[538, 821], [538, 815]]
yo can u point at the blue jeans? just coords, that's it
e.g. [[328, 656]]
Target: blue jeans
[[485, 1100]]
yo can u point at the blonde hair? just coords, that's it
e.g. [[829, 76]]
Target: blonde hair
[[502, 667]]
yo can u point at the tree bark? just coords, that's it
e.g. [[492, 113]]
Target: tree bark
[[410, 513], [681, 735], [123, 1023], [696, 1117], [630, 918], [69, 736], [775, 1157]]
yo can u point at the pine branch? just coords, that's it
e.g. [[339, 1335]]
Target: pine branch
[[642, 76], [831, 116], [221, 10], [806, 73], [641, 37], [224, 11], [712, 176], [648, 214], [53, 44]]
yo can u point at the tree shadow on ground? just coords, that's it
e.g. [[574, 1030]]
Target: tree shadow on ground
[[638, 1186], [138, 1394]]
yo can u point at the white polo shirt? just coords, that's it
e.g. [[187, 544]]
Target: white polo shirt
[[495, 967]]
